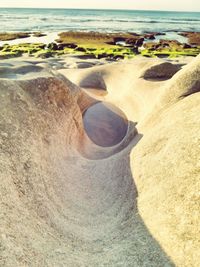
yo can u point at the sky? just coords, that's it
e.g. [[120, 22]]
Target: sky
[[177, 5]]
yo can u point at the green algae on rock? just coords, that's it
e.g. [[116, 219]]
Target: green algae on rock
[[12, 36], [10, 54], [112, 46], [171, 53], [44, 51], [169, 48], [20, 49]]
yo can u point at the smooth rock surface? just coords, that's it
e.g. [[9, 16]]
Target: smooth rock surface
[[64, 201]]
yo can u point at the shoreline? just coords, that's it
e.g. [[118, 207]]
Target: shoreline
[[114, 46]]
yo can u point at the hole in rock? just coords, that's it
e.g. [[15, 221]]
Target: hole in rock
[[105, 124]]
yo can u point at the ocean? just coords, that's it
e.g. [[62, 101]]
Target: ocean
[[56, 20]]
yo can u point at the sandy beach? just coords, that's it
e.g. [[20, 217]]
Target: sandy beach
[[99, 161]]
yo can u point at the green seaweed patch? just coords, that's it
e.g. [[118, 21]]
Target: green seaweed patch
[[93, 51], [20, 49], [170, 53], [9, 54], [28, 48], [106, 51]]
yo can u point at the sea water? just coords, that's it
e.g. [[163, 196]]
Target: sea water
[[56, 20]]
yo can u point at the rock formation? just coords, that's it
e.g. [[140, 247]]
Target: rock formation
[[65, 201]]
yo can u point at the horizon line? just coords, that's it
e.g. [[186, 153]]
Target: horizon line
[[114, 9]]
